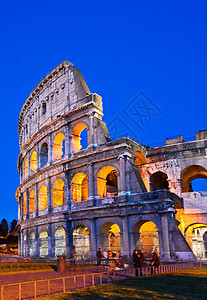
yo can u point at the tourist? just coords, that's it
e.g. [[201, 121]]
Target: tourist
[[106, 257], [154, 263], [112, 267], [136, 261], [99, 256]]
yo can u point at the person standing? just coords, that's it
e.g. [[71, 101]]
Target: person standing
[[99, 256], [72, 257]]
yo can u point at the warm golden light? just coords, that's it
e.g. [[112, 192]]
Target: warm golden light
[[149, 239], [24, 204], [107, 182], [58, 192], [33, 161], [76, 140], [31, 201], [58, 146], [79, 187], [42, 197]]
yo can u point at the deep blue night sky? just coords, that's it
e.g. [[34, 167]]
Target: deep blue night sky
[[122, 48]]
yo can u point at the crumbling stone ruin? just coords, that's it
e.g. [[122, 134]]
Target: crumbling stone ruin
[[78, 187]]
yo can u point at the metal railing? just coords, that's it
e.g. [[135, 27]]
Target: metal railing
[[45, 287]]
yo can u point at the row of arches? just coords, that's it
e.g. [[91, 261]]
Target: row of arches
[[79, 141], [145, 237], [106, 186]]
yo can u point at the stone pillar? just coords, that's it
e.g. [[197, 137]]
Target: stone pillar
[[49, 194], [50, 237], [29, 167], [50, 154], [27, 242], [38, 156], [67, 191], [93, 245], [36, 200], [20, 250], [125, 246], [27, 204], [68, 141], [69, 238], [91, 181], [38, 117], [165, 237], [122, 176], [36, 241]]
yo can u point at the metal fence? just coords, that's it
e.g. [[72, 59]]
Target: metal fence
[[38, 288]]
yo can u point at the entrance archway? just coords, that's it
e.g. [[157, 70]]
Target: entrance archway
[[107, 185], [32, 244], [159, 181], [60, 241], [195, 235], [81, 241], [43, 243], [146, 238], [109, 237], [79, 187]]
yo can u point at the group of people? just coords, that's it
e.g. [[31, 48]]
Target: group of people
[[138, 260], [108, 256]]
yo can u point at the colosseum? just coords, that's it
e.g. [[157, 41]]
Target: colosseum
[[79, 188]]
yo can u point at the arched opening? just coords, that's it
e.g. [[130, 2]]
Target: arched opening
[[189, 174], [43, 243], [26, 168], [44, 108], [59, 146], [58, 192], [33, 161], [24, 204], [43, 155], [81, 241], [146, 238], [79, 187], [205, 243], [42, 197], [195, 237], [31, 201], [199, 184], [107, 185], [140, 158], [32, 244], [159, 181], [79, 137], [110, 237], [60, 241]]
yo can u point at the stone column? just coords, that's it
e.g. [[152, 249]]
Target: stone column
[[50, 154], [29, 167], [50, 248], [38, 117], [27, 204], [67, 191], [38, 156], [122, 176], [49, 194], [125, 246], [68, 141], [20, 250], [91, 181], [36, 200], [93, 245], [165, 237], [27, 242], [36, 241]]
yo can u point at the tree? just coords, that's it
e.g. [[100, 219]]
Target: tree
[[13, 229], [4, 227]]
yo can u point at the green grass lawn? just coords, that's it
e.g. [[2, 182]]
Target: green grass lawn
[[182, 285]]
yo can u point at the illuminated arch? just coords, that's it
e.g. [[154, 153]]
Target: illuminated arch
[[58, 192], [194, 235], [42, 197], [79, 187], [76, 137], [26, 168], [32, 243], [43, 243], [109, 237], [81, 241], [43, 155], [107, 182], [33, 161], [60, 241], [145, 237], [24, 204], [159, 181], [31, 201], [58, 146], [189, 174], [140, 158]]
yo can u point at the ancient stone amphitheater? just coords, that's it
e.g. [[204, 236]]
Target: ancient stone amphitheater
[[78, 187]]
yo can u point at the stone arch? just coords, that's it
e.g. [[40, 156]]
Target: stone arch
[[32, 201], [110, 237], [59, 146], [140, 158], [25, 168], [190, 173], [146, 237], [81, 241], [33, 161], [107, 182], [32, 243], [76, 136], [24, 204], [43, 243], [58, 197], [42, 197], [43, 154], [79, 187], [159, 181], [205, 243], [60, 241]]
